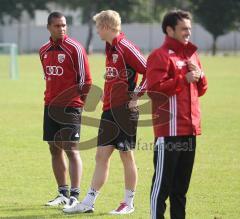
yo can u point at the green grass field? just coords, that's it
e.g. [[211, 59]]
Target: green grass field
[[26, 179]]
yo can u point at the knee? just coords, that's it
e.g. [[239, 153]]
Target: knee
[[55, 150], [101, 158], [127, 157], [72, 154]]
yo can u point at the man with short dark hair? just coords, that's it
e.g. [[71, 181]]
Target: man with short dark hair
[[175, 81], [68, 81]]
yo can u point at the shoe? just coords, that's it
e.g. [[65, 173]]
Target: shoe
[[79, 208], [123, 209], [72, 202], [59, 200]]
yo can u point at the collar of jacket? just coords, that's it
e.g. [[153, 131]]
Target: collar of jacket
[[115, 41], [59, 41], [179, 47]]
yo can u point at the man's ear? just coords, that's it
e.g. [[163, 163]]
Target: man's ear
[[169, 31]]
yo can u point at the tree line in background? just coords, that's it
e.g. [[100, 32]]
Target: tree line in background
[[218, 17]]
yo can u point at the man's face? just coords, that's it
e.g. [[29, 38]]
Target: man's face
[[57, 28], [102, 31], [182, 31]]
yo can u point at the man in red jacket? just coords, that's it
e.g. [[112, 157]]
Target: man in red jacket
[[175, 81], [68, 80], [119, 118]]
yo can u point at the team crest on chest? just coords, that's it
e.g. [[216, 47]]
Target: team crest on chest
[[180, 64], [114, 58], [61, 58]]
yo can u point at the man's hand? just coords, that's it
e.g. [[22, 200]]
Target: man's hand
[[193, 76], [132, 104], [194, 72]]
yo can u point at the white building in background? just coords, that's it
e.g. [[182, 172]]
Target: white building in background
[[30, 34]]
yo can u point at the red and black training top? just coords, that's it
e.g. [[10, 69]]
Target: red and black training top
[[66, 71], [123, 63]]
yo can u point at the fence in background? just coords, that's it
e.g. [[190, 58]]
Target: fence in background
[[146, 36]]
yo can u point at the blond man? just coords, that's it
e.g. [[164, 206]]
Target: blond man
[[118, 124]]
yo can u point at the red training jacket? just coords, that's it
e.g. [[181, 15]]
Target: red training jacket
[[66, 71], [123, 63], [175, 102]]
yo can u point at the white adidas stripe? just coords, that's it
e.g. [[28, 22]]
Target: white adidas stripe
[[158, 177], [153, 195], [139, 57], [42, 52], [80, 60], [139, 88], [134, 51], [173, 115], [131, 46], [45, 43]]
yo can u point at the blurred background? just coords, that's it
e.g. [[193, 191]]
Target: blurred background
[[215, 23]]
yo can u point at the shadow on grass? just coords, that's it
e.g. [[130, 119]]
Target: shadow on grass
[[40, 212]]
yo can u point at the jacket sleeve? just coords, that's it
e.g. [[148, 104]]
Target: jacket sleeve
[[202, 84], [84, 79], [41, 60], [158, 77], [137, 61]]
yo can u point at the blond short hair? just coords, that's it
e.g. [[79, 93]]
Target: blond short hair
[[108, 18]]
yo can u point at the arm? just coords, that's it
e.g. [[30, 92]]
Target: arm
[[137, 61], [40, 57], [202, 85], [158, 78], [197, 75], [83, 72]]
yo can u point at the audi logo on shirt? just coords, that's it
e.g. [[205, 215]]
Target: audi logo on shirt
[[54, 70], [111, 72]]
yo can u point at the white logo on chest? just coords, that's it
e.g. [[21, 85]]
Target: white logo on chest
[[114, 58], [54, 70], [111, 72], [61, 58], [180, 64], [170, 51]]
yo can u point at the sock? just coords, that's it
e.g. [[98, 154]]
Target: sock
[[129, 197], [63, 190], [91, 197], [75, 192]]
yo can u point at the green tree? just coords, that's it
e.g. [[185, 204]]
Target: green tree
[[15, 8], [217, 17], [162, 6], [130, 10]]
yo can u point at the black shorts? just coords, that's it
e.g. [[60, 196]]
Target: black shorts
[[61, 123], [118, 127]]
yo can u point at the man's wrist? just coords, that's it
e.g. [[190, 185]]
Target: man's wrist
[[201, 74]]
